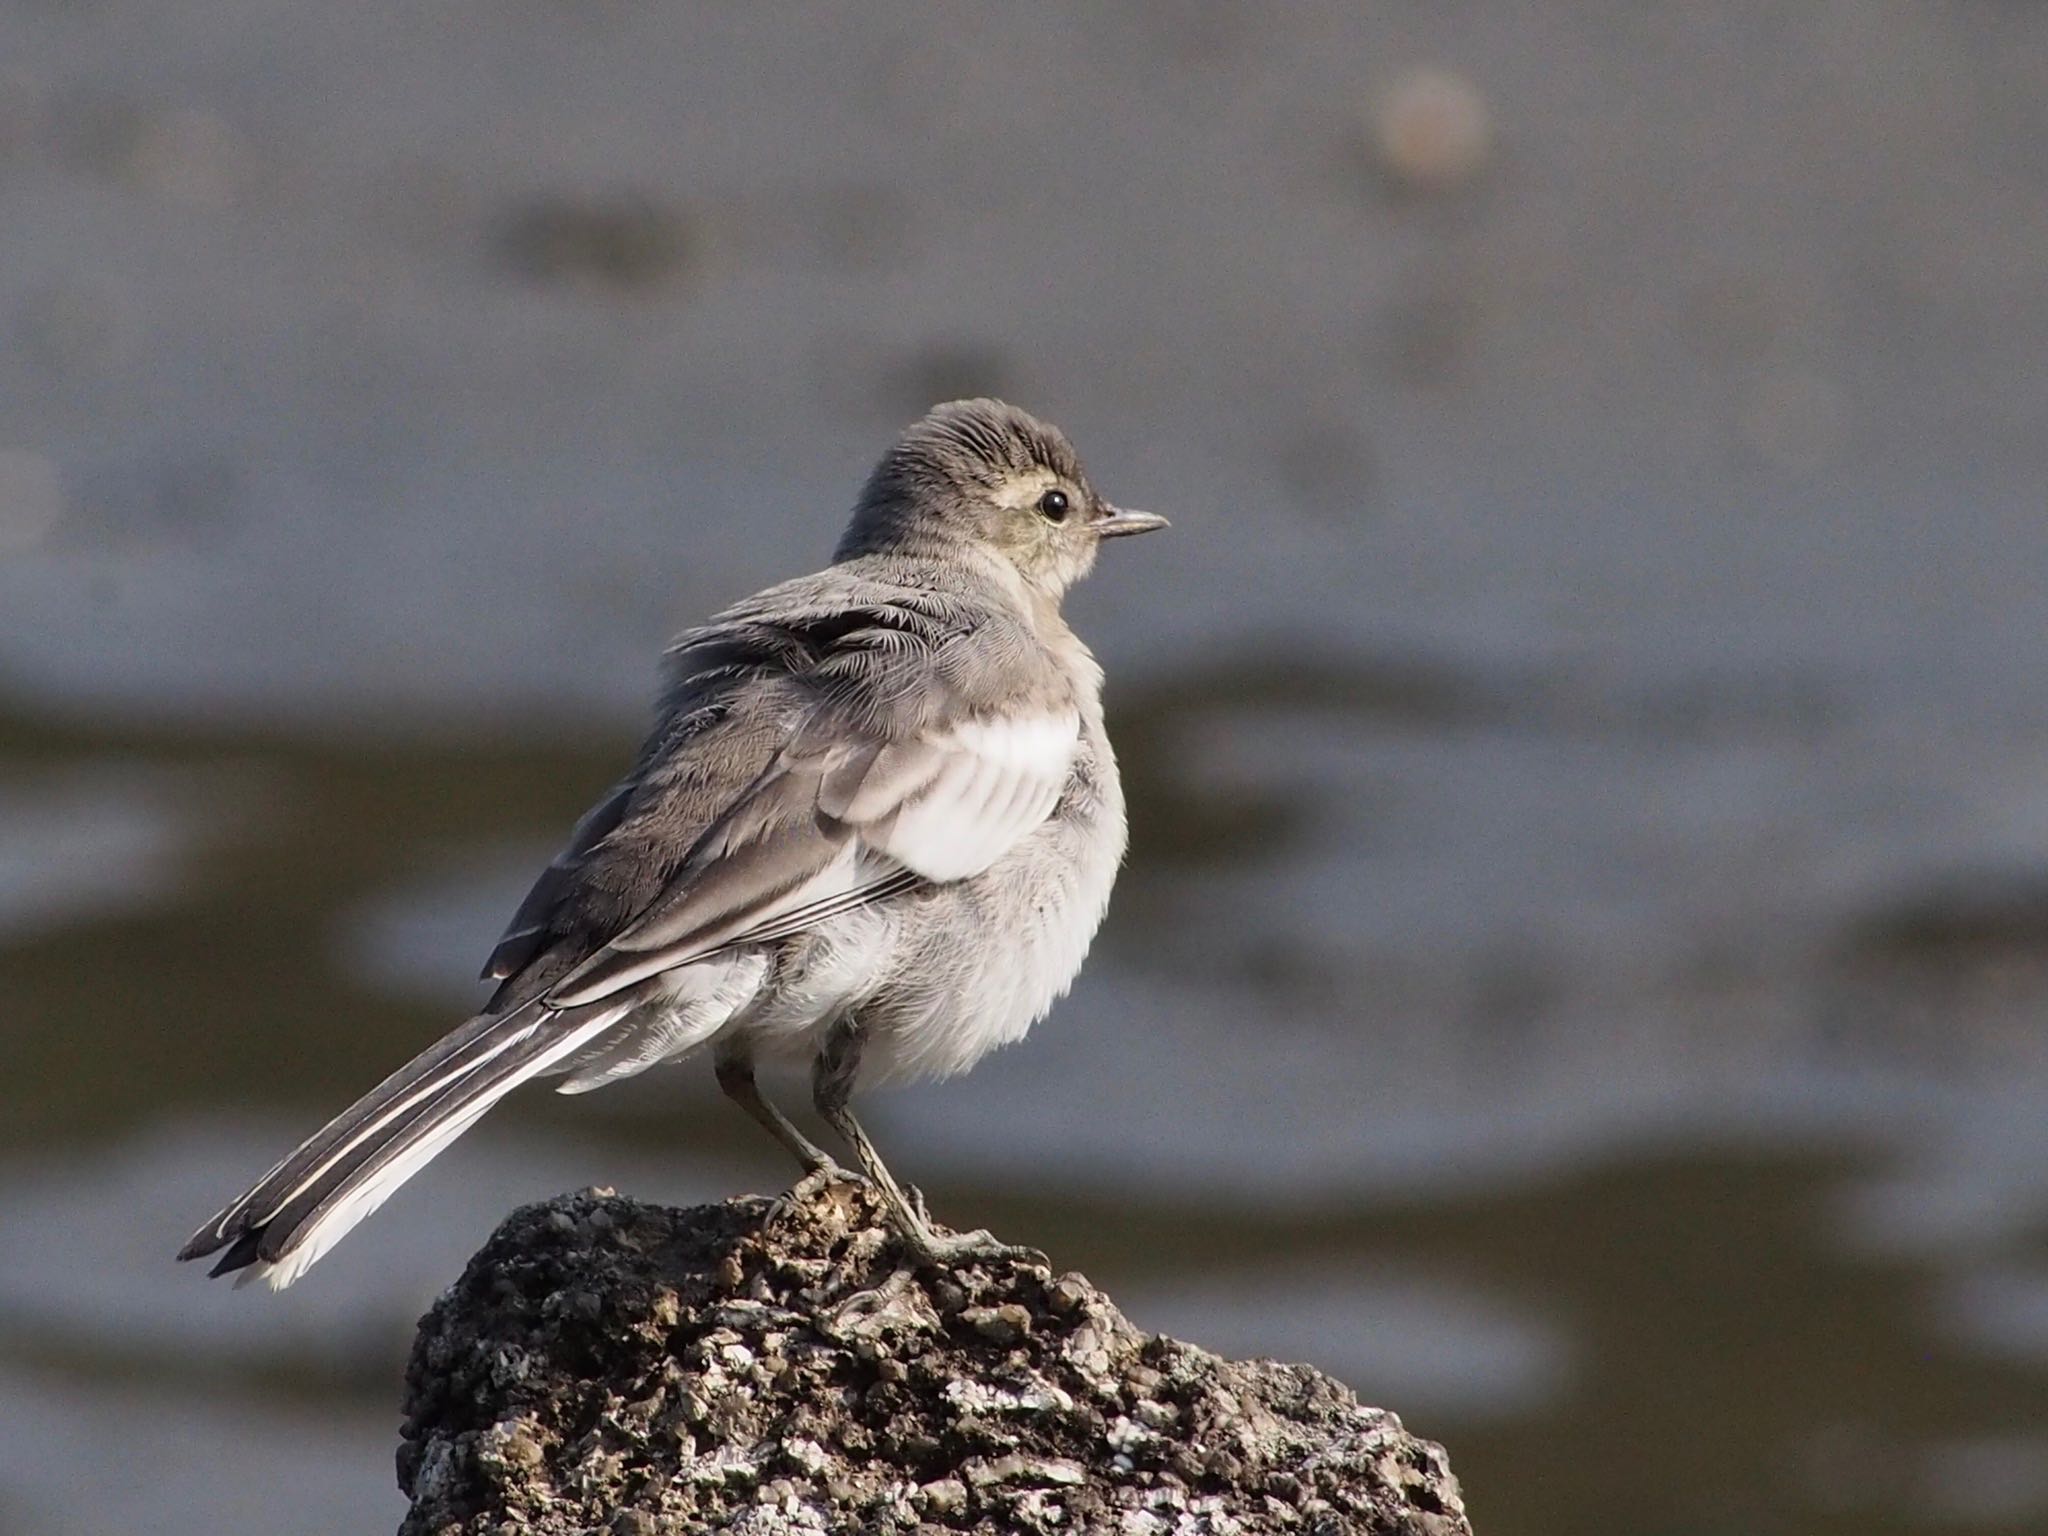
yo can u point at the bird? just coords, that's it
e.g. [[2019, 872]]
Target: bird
[[872, 832]]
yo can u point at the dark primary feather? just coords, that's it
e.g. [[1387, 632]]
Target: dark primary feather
[[526, 934]]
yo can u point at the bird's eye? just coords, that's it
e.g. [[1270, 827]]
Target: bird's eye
[[1052, 506]]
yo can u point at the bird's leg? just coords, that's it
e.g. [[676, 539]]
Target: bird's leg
[[736, 1077], [832, 1078]]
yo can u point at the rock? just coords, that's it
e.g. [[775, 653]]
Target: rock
[[608, 1366]]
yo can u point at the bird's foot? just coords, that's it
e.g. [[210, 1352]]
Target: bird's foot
[[810, 1186], [872, 1302], [950, 1250]]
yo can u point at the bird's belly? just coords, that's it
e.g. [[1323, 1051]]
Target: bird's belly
[[940, 976], [981, 961], [818, 978]]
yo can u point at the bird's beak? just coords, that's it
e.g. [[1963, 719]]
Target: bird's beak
[[1115, 522]]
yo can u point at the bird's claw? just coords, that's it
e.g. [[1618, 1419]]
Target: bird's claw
[[935, 1250], [809, 1187], [866, 1303]]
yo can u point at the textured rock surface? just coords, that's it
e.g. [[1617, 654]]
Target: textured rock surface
[[608, 1366]]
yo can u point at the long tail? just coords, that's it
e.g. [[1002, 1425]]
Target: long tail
[[308, 1202]]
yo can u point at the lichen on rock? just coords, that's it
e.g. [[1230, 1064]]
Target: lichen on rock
[[605, 1366]]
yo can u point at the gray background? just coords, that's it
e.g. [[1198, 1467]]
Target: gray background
[[1580, 971]]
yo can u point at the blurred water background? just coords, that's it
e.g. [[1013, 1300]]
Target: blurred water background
[[1580, 975]]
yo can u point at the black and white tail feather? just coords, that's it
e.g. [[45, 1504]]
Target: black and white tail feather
[[309, 1201]]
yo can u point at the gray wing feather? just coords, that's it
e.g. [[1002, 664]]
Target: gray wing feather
[[877, 777], [527, 934], [839, 750]]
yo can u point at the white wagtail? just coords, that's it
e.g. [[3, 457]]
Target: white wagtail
[[873, 831]]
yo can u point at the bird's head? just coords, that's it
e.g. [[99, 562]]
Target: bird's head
[[991, 476]]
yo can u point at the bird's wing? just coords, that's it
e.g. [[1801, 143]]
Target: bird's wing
[[840, 820], [813, 759], [527, 934]]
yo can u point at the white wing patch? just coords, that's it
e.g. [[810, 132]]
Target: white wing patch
[[940, 808], [991, 782]]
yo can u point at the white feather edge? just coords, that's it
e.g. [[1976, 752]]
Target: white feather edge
[[693, 1014], [335, 1223], [1002, 778]]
